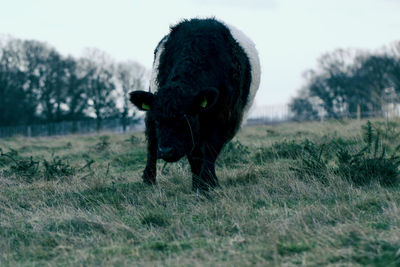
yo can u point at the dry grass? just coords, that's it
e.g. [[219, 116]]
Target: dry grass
[[265, 214]]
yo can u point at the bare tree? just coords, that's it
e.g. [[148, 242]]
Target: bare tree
[[98, 68], [130, 76], [76, 99]]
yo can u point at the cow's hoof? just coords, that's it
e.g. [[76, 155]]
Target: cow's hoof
[[149, 177]]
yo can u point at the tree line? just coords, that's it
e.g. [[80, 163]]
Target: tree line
[[39, 85], [350, 81]]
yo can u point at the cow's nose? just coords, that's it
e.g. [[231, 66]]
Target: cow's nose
[[165, 152]]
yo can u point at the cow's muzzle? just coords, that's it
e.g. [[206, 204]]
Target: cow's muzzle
[[168, 154]]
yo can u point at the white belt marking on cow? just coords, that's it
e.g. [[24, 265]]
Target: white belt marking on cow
[[250, 49], [156, 63]]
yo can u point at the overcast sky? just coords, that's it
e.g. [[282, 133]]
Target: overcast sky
[[289, 34]]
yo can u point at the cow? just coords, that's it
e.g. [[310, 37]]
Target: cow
[[204, 78]]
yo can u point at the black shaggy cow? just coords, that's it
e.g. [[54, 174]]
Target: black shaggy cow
[[205, 76]]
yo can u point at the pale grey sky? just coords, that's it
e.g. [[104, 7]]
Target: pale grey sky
[[289, 34]]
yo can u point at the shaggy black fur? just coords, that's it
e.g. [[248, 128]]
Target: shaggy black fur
[[204, 79]]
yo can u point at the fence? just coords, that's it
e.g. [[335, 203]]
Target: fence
[[282, 113], [269, 115], [71, 127], [258, 115]]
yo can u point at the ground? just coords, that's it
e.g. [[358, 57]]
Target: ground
[[309, 194]]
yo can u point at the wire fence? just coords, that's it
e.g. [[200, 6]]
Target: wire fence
[[260, 115], [282, 113], [269, 115], [72, 127]]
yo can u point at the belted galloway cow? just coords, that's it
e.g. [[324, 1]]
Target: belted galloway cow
[[205, 76]]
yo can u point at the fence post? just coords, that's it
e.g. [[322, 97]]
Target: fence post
[[358, 112]]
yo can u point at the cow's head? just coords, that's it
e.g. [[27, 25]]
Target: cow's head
[[176, 115]]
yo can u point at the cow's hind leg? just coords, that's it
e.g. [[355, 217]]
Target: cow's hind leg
[[150, 172]]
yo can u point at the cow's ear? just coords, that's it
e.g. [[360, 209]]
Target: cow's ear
[[206, 98], [142, 100]]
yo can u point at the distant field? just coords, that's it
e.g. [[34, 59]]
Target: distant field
[[310, 194]]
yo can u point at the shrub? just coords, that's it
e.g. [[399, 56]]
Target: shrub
[[7, 157], [389, 130], [371, 163], [233, 153], [27, 169], [56, 168], [103, 144], [312, 162]]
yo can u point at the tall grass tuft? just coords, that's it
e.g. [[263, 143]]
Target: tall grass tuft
[[26, 169]]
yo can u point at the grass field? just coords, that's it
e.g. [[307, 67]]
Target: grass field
[[311, 194]]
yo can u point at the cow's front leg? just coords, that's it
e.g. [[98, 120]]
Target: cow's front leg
[[196, 161], [150, 172], [203, 168]]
